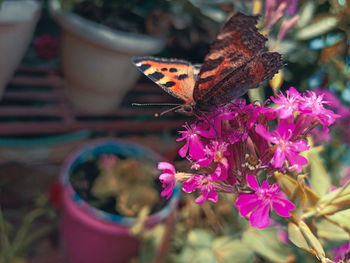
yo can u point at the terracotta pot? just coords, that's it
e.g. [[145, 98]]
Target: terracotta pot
[[91, 235], [96, 60], [17, 23]]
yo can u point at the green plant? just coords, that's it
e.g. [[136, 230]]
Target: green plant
[[130, 182], [16, 240]]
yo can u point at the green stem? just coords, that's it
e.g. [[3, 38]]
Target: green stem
[[39, 233], [5, 243], [17, 244]]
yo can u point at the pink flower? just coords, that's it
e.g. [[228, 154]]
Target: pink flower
[[203, 184], [215, 152], [286, 26], [274, 10], [341, 251], [46, 46], [261, 202], [167, 178], [193, 143], [287, 104], [221, 113], [314, 105], [285, 149], [246, 118], [291, 6]]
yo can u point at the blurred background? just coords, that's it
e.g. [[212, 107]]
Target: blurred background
[[67, 86]]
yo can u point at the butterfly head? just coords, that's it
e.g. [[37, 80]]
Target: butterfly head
[[187, 109]]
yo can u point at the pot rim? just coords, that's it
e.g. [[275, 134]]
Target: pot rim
[[78, 156], [136, 44], [33, 5]]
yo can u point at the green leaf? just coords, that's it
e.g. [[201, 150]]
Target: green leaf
[[265, 243], [335, 201], [197, 256], [330, 231], [296, 237], [317, 28], [320, 180], [296, 190], [342, 219], [286, 46], [301, 236], [200, 238], [188, 254], [227, 248], [205, 255], [306, 13]]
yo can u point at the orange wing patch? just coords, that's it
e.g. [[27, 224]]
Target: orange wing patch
[[174, 76]]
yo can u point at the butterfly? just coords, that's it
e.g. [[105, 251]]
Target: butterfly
[[235, 63]]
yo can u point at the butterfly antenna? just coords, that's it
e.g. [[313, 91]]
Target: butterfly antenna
[[169, 110], [154, 104]]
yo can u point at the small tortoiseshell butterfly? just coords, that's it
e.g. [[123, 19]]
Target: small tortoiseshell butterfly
[[235, 63]]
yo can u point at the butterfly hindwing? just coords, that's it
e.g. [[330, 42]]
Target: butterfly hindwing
[[236, 44], [173, 75]]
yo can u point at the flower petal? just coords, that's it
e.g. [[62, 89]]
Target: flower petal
[[283, 207], [260, 217], [246, 203], [296, 160], [278, 158], [166, 166], [252, 182], [196, 148], [184, 149], [166, 177], [261, 130]]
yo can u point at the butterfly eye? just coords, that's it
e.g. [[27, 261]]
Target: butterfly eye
[[188, 108]]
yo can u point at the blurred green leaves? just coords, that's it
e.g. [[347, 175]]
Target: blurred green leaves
[[320, 26]]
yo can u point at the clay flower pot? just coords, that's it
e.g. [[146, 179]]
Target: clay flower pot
[[96, 60], [91, 235], [17, 23]]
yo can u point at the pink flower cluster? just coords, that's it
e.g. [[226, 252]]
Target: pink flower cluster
[[232, 146], [341, 127], [342, 253], [278, 9]]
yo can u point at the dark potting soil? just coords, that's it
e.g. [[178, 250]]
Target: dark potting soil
[[82, 179], [116, 17]]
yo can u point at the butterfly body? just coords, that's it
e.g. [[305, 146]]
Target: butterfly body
[[235, 63]]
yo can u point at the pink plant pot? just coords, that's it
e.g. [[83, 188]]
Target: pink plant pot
[[94, 236]]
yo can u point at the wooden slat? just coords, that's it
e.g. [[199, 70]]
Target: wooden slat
[[30, 95], [115, 126], [19, 108], [26, 111]]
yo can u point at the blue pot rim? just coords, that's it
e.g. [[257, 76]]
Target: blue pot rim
[[107, 146]]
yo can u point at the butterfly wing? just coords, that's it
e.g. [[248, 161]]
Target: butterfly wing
[[260, 68], [237, 43], [173, 75]]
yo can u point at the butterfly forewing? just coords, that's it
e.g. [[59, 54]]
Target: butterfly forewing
[[173, 75], [236, 44], [235, 84]]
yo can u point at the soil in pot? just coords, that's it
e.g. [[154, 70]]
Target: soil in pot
[[126, 16], [113, 188]]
